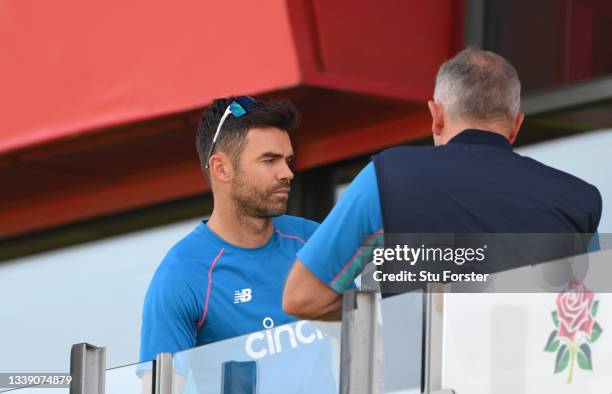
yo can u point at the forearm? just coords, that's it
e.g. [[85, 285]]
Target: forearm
[[305, 296], [334, 314]]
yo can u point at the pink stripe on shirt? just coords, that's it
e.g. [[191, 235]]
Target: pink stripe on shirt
[[201, 322], [290, 236]]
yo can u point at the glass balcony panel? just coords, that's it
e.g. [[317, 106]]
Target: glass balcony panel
[[130, 379], [301, 357]]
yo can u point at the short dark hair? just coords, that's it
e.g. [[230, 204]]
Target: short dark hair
[[281, 114]]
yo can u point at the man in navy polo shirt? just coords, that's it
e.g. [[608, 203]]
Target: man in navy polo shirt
[[225, 278], [470, 182]]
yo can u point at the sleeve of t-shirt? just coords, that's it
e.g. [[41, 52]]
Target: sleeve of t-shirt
[[333, 252], [169, 313]]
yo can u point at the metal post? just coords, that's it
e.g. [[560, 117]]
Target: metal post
[[434, 336], [163, 374], [87, 365], [358, 345]]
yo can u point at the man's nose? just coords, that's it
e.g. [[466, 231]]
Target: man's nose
[[285, 172]]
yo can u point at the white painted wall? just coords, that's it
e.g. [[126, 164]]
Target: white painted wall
[[87, 293]]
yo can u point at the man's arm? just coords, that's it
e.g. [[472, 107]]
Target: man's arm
[[168, 321], [331, 259], [169, 315], [309, 298]]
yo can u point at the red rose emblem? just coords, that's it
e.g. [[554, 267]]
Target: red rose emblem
[[575, 329], [574, 311]]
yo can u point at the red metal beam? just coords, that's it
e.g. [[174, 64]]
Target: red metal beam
[[363, 140], [105, 198], [102, 200]]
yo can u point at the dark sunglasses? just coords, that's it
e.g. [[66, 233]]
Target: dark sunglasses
[[241, 106]]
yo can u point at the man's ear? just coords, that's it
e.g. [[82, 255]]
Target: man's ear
[[437, 116], [220, 167], [516, 127]]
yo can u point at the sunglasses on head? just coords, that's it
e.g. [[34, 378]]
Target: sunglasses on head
[[241, 106]]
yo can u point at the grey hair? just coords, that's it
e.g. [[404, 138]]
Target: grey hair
[[478, 85]]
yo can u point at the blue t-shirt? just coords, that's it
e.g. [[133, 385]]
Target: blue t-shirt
[[206, 289], [334, 252]]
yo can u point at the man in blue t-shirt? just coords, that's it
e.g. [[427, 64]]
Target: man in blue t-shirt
[[225, 278]]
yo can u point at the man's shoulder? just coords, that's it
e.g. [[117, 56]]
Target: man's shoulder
[[405, 149], [185, 264], [559, 175], [194, 247], [295, 225], [574, 186], [415, 154]]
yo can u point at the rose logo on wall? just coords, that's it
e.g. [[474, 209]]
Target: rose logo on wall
[[576, 329]]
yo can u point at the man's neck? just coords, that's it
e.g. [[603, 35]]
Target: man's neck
[[240, 230], [460, 127]]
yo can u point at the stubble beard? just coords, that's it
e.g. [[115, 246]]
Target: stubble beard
[[253, 201]]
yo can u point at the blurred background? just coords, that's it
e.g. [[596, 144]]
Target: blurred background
[[99, 102]]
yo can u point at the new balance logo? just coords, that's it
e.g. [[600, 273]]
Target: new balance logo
[[243, 295]]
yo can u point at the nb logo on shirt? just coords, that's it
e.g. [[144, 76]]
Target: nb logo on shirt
[[243, 295]]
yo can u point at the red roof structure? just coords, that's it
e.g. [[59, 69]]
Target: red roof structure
[[100, 99]]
